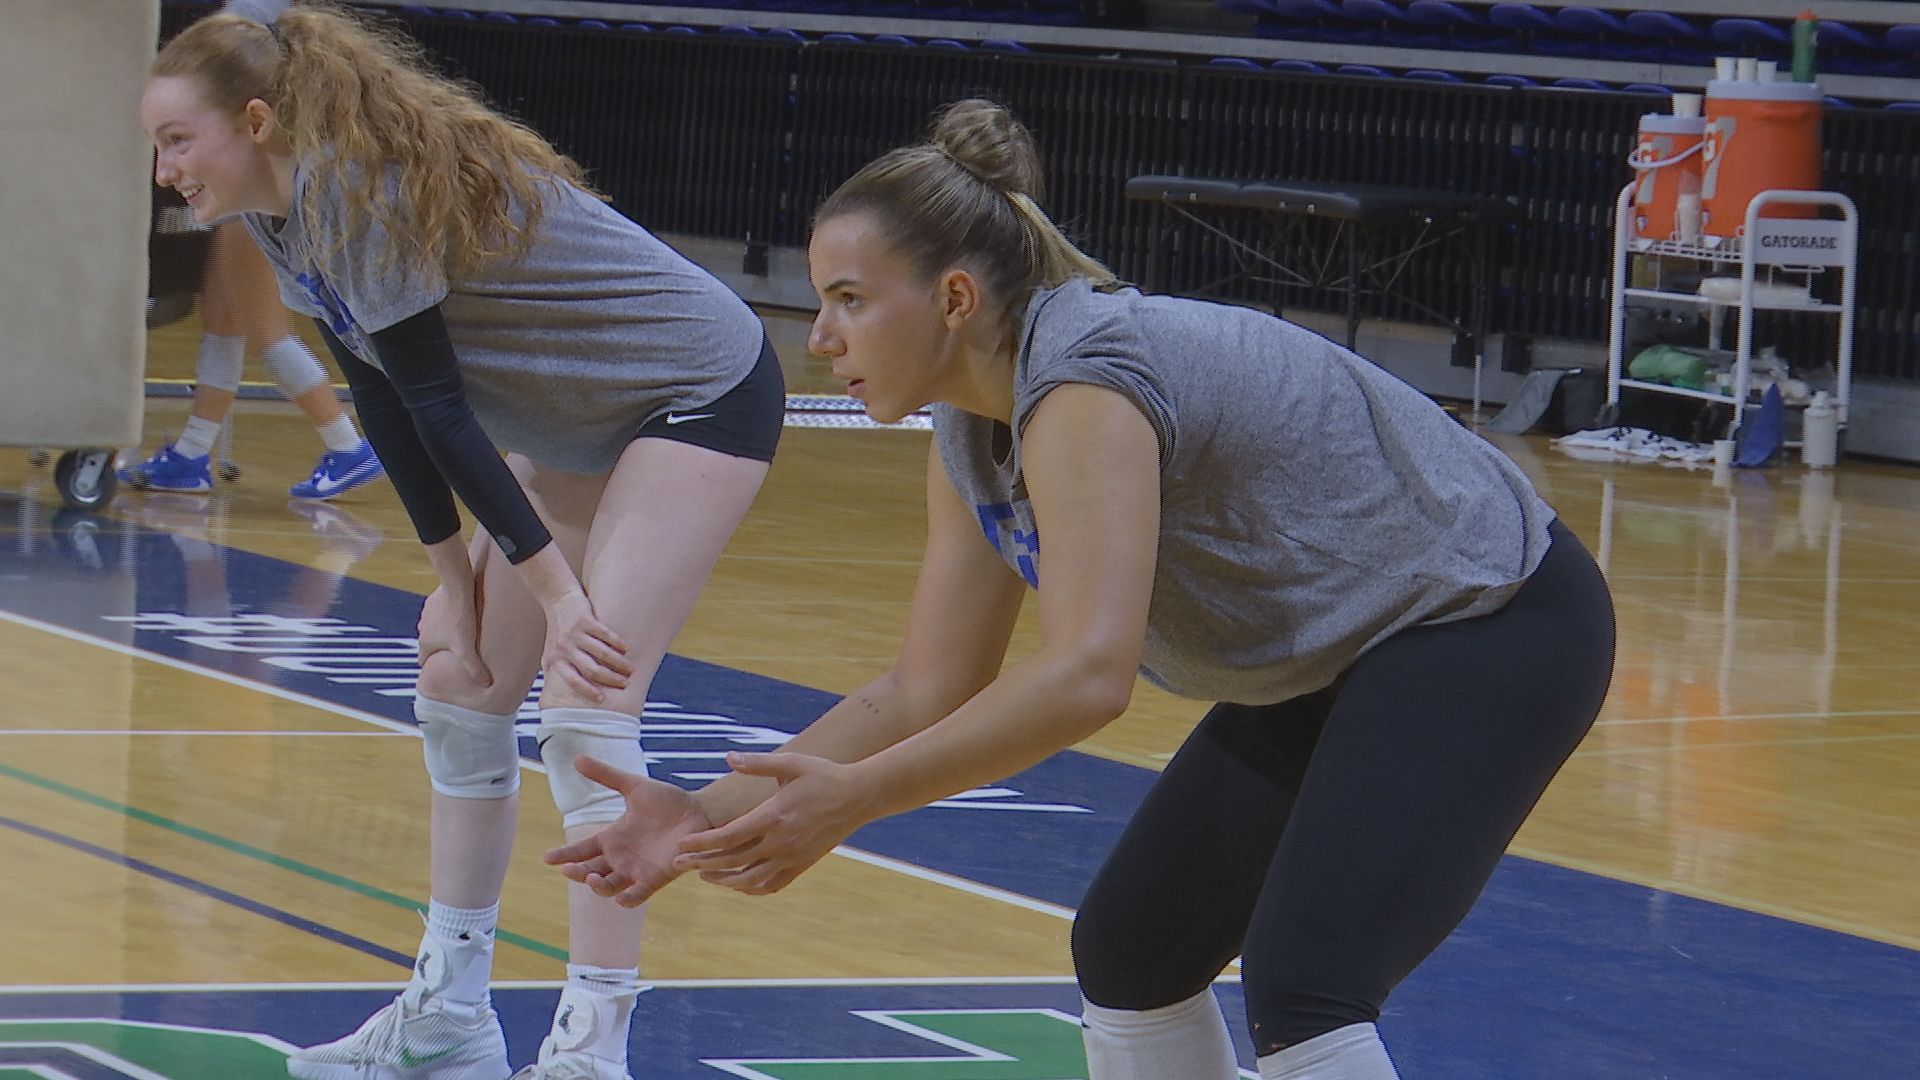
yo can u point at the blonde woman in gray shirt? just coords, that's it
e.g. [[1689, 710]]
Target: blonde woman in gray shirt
[[1403, 642], [479, 297]]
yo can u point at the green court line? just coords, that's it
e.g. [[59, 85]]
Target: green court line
[[259, 854]]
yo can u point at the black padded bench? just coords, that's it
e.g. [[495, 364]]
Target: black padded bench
[[1381, 228]]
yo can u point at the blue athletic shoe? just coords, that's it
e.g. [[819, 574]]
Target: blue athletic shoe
[[339, 471], [170, 471]]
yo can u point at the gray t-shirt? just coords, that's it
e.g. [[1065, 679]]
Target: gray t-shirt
[[564, 352], [1311, 503]]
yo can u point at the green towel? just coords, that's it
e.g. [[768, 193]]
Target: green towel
[[1669, 364]]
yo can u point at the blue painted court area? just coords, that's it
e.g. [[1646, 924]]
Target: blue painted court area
[[1556, 973]]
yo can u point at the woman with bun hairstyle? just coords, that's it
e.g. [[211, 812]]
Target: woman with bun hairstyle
[[1404, 643], [479, 297]]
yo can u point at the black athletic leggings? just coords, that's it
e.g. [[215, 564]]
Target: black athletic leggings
[[1334, 840]]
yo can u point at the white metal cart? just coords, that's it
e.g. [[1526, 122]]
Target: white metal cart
[[1797, 250]]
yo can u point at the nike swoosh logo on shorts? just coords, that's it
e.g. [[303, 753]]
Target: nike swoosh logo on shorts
[[681, 418]]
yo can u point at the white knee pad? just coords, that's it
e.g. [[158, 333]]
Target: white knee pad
[[613, 737], [470, 755], [221, 358], [293, 368]]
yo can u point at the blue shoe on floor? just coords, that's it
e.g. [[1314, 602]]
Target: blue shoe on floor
[[170, 471], [339, 471]]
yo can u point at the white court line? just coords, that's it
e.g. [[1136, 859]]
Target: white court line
[[558, 984], [196, 734], [269, 689], [1698, 747], [1737, 717], [950, 881], [550, 984], [935, 877]]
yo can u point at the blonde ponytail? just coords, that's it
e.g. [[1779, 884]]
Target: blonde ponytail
[[969, 197]]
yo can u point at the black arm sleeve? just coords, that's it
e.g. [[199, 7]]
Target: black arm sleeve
[[417, 417]]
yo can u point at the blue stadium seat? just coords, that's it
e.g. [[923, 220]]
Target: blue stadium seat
[[1751, 36], [1646, 88], [838, 38], [1522, 17], [1540, 31], [1232, 62], [1444, 15], [1606, 32], [1845, 50], [1306, 67], [1363, 70], [1579, 84], [1374, 11], [1662, 26], [943, 43], [1431, 75], [1391, 26], [1679, 40], [1517, 81], [1840, 35], [1589, 20], [1307, 10]]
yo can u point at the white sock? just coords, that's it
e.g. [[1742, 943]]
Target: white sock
[[452, 969], [453, 922], [196, 441], [595, 1015], [339, 435], [1354, 1052], [1188, 1040]]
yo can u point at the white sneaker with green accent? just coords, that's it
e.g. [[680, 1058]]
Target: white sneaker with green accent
[[409, 1039]]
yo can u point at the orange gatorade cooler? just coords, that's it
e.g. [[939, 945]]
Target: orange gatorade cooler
[[1666, 165], [1760, 136]]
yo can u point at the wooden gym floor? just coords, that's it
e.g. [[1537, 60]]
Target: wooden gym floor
[[215, 831]]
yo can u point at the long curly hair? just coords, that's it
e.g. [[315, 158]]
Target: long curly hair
[[357, 99]]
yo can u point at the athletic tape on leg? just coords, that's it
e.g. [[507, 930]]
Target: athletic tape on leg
[[294, 369], [612, 737], [221, 358], [470, 755]]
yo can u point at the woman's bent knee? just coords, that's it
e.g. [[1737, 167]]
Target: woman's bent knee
[[443, 678]]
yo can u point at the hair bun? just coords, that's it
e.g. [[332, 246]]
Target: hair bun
[[985, 139]]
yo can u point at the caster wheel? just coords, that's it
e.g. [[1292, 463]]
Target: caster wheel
[[85, 478], [228, 471]]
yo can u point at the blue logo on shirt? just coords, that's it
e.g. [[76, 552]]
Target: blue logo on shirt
[[338, 319], [1018, 546]]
